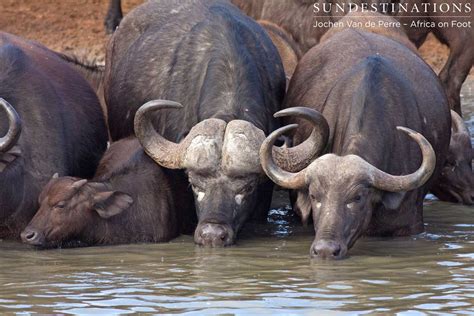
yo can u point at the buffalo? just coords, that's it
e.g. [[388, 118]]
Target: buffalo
[[289, 51], [131, 199], [52, 123], [459, 39], [372, 179], [114, 16], [299, 16], [226, 78], [456, 182]]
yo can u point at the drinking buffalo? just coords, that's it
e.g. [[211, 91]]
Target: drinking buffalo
[[52, 122], [220, 65], [456, 182], [131, 199], [373, 179]]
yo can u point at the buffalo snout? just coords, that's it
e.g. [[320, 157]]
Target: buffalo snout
[[328, 249], [33, 237], [213, 235]]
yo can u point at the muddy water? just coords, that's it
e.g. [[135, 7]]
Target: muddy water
[[270, 273]]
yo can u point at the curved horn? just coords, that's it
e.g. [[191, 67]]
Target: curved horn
[[279, 176], [458, 124], [296, 158], [14, 129], [387, 182], [165, 153]]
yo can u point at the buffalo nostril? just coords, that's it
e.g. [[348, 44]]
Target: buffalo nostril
[[223, 235], [203, 234], [327, 249], [30, 235]]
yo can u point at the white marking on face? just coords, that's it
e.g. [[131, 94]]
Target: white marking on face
[[200, 196], [239, 198], [318, 205]]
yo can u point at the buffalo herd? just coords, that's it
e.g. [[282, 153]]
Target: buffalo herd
[[204, 105]]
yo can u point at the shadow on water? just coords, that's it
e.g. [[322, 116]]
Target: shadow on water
[[268, 272]]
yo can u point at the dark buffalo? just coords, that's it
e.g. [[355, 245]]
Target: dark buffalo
[[131, 199], [373, 179], [114, 16], [224, 70], [52, 123], [295, 16], [456, 182]]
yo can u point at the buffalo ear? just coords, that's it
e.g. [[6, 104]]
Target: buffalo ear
[[111, 203], [392, 200], [302, 206]]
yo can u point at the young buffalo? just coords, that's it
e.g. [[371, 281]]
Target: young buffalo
[[130, 200]]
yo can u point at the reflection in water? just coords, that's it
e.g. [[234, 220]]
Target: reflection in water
[[270, 273]]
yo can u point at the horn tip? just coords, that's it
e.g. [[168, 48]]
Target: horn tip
[[162, 104], [281, 113], [406, 130]]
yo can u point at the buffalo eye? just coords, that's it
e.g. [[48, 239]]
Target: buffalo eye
[[61, 204], [355, 200]]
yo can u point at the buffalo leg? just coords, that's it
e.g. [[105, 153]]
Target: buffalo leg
[[460, 61], [114, 16]]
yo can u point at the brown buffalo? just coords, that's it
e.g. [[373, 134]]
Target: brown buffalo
[[131, 199], [459, 39], [290, 52], [298, 18]]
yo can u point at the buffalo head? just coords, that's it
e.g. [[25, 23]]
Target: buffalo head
[[222, 163], [342, 191], [68, 208], [456, 182]]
